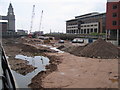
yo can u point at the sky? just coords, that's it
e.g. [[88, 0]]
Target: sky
[[55, 12]]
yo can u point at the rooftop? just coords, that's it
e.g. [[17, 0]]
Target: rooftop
[[113, 0], [87, 15]]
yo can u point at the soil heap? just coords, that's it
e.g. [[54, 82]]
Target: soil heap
[[100, 49]]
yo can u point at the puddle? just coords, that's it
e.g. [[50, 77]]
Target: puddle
[[23, 81], [53, 48]]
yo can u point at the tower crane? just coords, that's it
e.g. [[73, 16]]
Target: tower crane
[[33, 14], [41, 20]]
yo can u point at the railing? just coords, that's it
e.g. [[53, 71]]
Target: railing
[[6, 77]]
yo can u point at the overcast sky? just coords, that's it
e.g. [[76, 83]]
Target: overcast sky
[[55, 12]]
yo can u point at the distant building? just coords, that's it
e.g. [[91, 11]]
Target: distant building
[[113, 20], [86, 24], [10, 18], [22, 32], [8, 22], [4, 24], [38, 33]]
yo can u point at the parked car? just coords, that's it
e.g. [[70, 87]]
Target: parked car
[[77, 40], [61, 41]]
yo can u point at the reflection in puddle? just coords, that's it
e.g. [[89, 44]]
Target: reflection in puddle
[[37, 61]]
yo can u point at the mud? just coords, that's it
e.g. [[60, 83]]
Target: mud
[[36, 81], [13, 47], [98, 49], [17, 46]]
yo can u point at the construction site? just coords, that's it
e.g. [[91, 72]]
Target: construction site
[[68, 65], [80, 58]]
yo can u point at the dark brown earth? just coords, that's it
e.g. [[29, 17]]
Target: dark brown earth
[[98, 49], [36, 81], [14, 47]]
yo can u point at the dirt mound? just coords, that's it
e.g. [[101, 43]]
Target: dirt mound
[[71, 49], [100, 49]]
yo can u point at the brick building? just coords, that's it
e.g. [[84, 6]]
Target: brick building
[[113, 20]]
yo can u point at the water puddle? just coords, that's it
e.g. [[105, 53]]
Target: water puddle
[[38, 61], [52, 48]]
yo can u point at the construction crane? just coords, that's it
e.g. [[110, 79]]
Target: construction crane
[[33, 14], [41, 20]]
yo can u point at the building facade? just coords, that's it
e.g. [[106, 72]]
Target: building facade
[[10, 18], [86, 24], [22, 32], [113, 20]]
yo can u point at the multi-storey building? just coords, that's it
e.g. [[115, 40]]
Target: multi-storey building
[[86, 24], [113, 20]]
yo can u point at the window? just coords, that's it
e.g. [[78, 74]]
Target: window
[[84, 30], [91, 30], [81, 31], [88, 31], [95, 25], [114, 15], [95, 30], [115, 6], [114, 23]]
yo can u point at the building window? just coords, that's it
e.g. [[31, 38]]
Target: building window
[[114, 6], [84, 31], [114, 23], [91, 30], [114, 15], [95, 25], [87, 31], [95, 30], [81, 31]]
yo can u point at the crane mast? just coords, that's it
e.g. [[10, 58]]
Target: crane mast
[[33, 14], [41, 20]]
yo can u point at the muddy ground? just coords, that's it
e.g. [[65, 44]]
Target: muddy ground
[[14, 47], [65, 70], [26, 47]]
